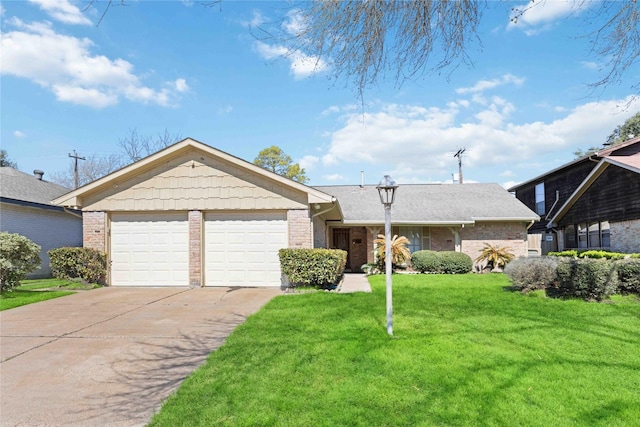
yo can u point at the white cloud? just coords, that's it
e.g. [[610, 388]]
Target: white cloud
[[540, 16], [590, 65], [181, 85], [508, 184], [225, 109], [295, 22], [308, 162], [483, 85], [507, 173], [257, 20], [63, 11], [19, 134], [301, 65], [420, 141], [65, 65]]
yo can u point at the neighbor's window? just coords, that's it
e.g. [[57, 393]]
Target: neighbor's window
[[570, 237], [540, 208], [591, 235], [605, 231]]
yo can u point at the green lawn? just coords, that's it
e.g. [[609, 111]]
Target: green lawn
[[465, 353], [31, 291]]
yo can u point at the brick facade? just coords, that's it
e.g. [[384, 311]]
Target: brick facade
[[94, 226], [319, 233], [442, 239], [510, 234], [195, 249], [625, 236], [299, 225]]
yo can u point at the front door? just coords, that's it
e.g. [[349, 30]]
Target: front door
[[341, 241]]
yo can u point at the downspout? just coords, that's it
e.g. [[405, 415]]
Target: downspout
[[531, 224]]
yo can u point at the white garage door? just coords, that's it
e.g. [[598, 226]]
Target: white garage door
[[149, 250], [241, 249]]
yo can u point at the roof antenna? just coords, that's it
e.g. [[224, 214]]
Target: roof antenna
[[361, 179], [459, 156]]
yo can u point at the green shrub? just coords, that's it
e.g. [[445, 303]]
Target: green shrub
[[531, 273], [89, 265], [426, 261], [629, 275], [19, 256], [589, 279], [455, 262], [601, 254], [321, 268], [571, 253]]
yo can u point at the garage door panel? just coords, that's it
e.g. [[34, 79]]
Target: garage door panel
[[241, 249], [149, 249]]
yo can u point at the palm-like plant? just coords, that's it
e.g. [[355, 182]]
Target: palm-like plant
[[399, 251], [495, 256]]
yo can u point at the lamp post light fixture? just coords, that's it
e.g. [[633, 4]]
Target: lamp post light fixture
[[387, 191]]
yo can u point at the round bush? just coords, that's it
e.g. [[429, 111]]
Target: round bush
[[426, 261], [455, 262], [19, 256], [629, 275], [528, 274], [589, 279]]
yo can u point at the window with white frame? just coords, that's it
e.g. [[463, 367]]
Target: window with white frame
[[540, 208], [419, 237]]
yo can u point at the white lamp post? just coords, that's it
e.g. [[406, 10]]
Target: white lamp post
[[387, 190]]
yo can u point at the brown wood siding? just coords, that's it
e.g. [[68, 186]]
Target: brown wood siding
[[565, 181], [614, 196]]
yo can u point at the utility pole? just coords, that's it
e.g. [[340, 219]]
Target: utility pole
[[75, 167], [459, 156]]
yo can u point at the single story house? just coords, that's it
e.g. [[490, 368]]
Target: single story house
[[26, 209], [194, 215]]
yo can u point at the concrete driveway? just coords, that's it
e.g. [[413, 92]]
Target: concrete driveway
[[111, 356]]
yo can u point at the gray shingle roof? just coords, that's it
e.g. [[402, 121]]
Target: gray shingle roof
[[431, 204], [21, 186]]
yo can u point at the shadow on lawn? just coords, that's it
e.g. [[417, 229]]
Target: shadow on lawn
[[151, 370]]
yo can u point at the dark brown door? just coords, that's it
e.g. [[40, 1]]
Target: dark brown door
[[341, 241]]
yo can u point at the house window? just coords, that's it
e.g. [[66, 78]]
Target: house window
[[540, 208], [588, 235], [605, 233], [419, 237], [570, 237]]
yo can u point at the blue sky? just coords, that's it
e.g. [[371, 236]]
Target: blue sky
[[522, 109]]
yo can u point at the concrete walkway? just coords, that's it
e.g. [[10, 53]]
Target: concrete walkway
[[111, 356], [354, 282]]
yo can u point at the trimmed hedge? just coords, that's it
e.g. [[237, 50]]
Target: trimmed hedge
[[593, 254], [321, 268], [589, 279], [456, 262], [531, 273], [447, 262], [19, 256], [89, 265], [426, 261], [629, 275]]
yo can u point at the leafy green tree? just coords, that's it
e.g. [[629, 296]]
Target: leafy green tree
[[275, 160], [6, 161], [629, 129]]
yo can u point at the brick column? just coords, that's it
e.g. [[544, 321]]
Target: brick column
[[94, 225], [299, 228], [195, 249]]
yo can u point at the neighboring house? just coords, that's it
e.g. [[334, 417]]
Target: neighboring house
[[26, 209], [590, 203], [193, 215]]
